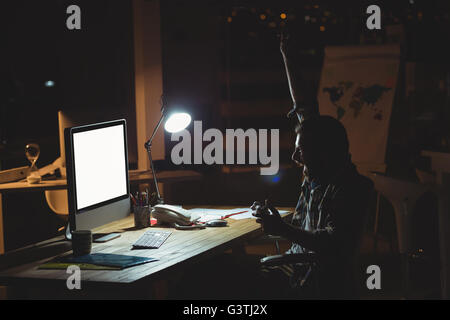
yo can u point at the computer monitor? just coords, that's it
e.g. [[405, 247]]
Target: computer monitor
[[97, 174]]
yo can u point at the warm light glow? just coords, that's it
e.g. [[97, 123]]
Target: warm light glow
[[262, 16], [229, 19], [322, 28], [177, 122], [283, 16]]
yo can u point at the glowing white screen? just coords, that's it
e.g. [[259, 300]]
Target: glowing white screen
[[100, 168]]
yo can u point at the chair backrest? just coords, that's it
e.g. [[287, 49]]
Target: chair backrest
[[57, 201], [426, 177]]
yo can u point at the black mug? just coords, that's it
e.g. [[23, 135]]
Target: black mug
[[81, 242]]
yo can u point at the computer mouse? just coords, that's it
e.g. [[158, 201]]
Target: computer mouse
[[216, 223]]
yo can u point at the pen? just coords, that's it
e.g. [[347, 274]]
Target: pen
[[133, 199], [232, 214]]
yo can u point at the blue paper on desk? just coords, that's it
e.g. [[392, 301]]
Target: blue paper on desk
[[109, 260]]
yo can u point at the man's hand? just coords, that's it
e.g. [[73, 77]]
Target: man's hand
[[269, 218]]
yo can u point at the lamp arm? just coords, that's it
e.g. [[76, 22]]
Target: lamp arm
[[149, 141], [149, 152], [148, 147]]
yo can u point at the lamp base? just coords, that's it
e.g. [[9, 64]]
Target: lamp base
[[155, 199]]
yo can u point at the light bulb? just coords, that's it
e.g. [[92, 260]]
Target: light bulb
[[177, 122]]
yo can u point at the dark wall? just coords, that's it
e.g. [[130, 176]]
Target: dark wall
[[93, 73], [204, 57], [92, 69]]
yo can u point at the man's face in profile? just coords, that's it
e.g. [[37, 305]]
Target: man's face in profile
[[297, 156], [303, 156]]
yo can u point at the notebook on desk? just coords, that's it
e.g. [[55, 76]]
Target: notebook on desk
[[108, 260], [55, 265]]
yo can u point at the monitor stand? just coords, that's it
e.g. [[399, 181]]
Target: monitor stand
[[105, 237], [68, 234], [97, 237]]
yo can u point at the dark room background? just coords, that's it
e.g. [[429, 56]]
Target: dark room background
[[222, 59]]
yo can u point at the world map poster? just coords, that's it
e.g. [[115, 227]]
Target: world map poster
[[357, 87]]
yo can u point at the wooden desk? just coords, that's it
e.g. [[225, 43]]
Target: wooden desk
[[135, 177], [182, 248]]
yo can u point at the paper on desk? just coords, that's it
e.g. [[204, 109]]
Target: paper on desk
[[208, 217], [210, 214]]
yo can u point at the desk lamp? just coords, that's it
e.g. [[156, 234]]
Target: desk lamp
[[176, 121]]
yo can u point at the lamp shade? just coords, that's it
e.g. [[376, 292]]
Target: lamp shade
[[177, 121]]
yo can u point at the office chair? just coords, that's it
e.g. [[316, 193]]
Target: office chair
[[57, 201], [426, 177], [403, 196], [314, 259]]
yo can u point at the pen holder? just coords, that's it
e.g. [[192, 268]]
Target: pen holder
[[142, 216]]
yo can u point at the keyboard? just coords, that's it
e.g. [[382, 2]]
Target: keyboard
[[151, 239]]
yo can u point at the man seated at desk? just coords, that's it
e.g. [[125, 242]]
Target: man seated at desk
[[329, 216], [328, 220]]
